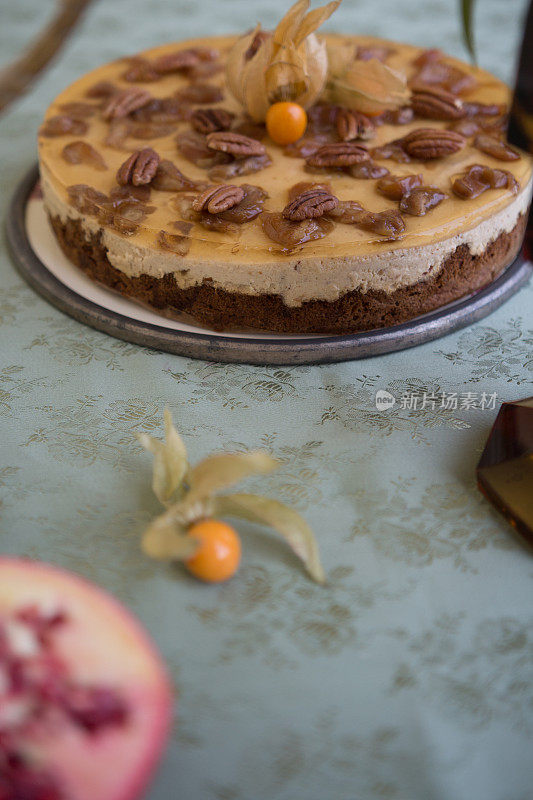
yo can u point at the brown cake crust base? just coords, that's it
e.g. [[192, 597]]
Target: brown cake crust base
[[461, 274]]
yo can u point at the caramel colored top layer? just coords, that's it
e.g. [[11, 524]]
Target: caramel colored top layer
[[250, 244]]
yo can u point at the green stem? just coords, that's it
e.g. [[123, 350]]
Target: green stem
[[467, 17]]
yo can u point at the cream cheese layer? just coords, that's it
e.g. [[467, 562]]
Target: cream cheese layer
[[295, 278]]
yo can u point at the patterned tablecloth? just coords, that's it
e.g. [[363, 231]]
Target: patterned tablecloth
[[409, 677]]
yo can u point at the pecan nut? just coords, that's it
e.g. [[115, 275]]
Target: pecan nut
[[421, 200], [211, 120], [168, 178], [63, 124], [353, 125], [479, 178], [466, 127], [470, 185], [388, 224], [176, 62], [397, 116], [395, 187], [184, 60], [151, 130], [118, 132], [140, 71], [367, 170], [305, 186], [242, 166], [200, 94], [139, 168], [216, 199], [310, 204], [80, 152], [78, 110], [123, 103], [428, 143], [289, 234], [175, 242], [484, 109], [432, 69], [434, 102], [101, 90], [341, 154], [393, 150], [235, 143], [496, 148]]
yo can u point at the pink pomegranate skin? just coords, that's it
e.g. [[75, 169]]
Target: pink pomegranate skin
[[85, 701]]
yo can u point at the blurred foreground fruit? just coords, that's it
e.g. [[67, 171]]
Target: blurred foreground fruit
[[219, 553], [85, 702]]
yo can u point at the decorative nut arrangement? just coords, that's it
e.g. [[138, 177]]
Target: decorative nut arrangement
[[80, 152], [354, 125], [211, 120], [218, 198], [433, 102], [183, 60], [235, 143], [139, 168], [313, 203], [342, 154], [428, 143], [227, 146], [62, 125], [395, 187], [496, 148], [478, 179], [123, 103], [421, 200]]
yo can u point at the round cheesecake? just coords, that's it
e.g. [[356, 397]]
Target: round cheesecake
[[348, 229]]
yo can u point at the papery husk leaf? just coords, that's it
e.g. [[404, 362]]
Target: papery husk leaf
[[370, 86], [286, 77], [285, 520], [317, 70], [255, 97], [314, 19], [223, 470], [236, 63], [170, 460], [288, 25], [341, 56], [291, 64], [166, 540]]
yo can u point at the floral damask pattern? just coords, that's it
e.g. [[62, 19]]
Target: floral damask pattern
[[14, 300], [452, 523], [474, 677], [263, 608], [215, 382], [412, 666], [490, 353], [66, 345], [13, 385], [377, 485], [356, 411]]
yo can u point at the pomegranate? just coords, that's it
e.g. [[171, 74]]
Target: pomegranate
[[84, 698]]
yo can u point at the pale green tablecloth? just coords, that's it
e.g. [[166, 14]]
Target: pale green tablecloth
[[410, 676]]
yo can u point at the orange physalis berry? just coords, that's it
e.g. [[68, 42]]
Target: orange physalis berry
[[286, 122], [219, 554]]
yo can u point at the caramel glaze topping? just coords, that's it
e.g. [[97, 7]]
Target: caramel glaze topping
[[165, 118]]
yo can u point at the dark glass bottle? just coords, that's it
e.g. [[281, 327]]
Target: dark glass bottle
[[520, 131]]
